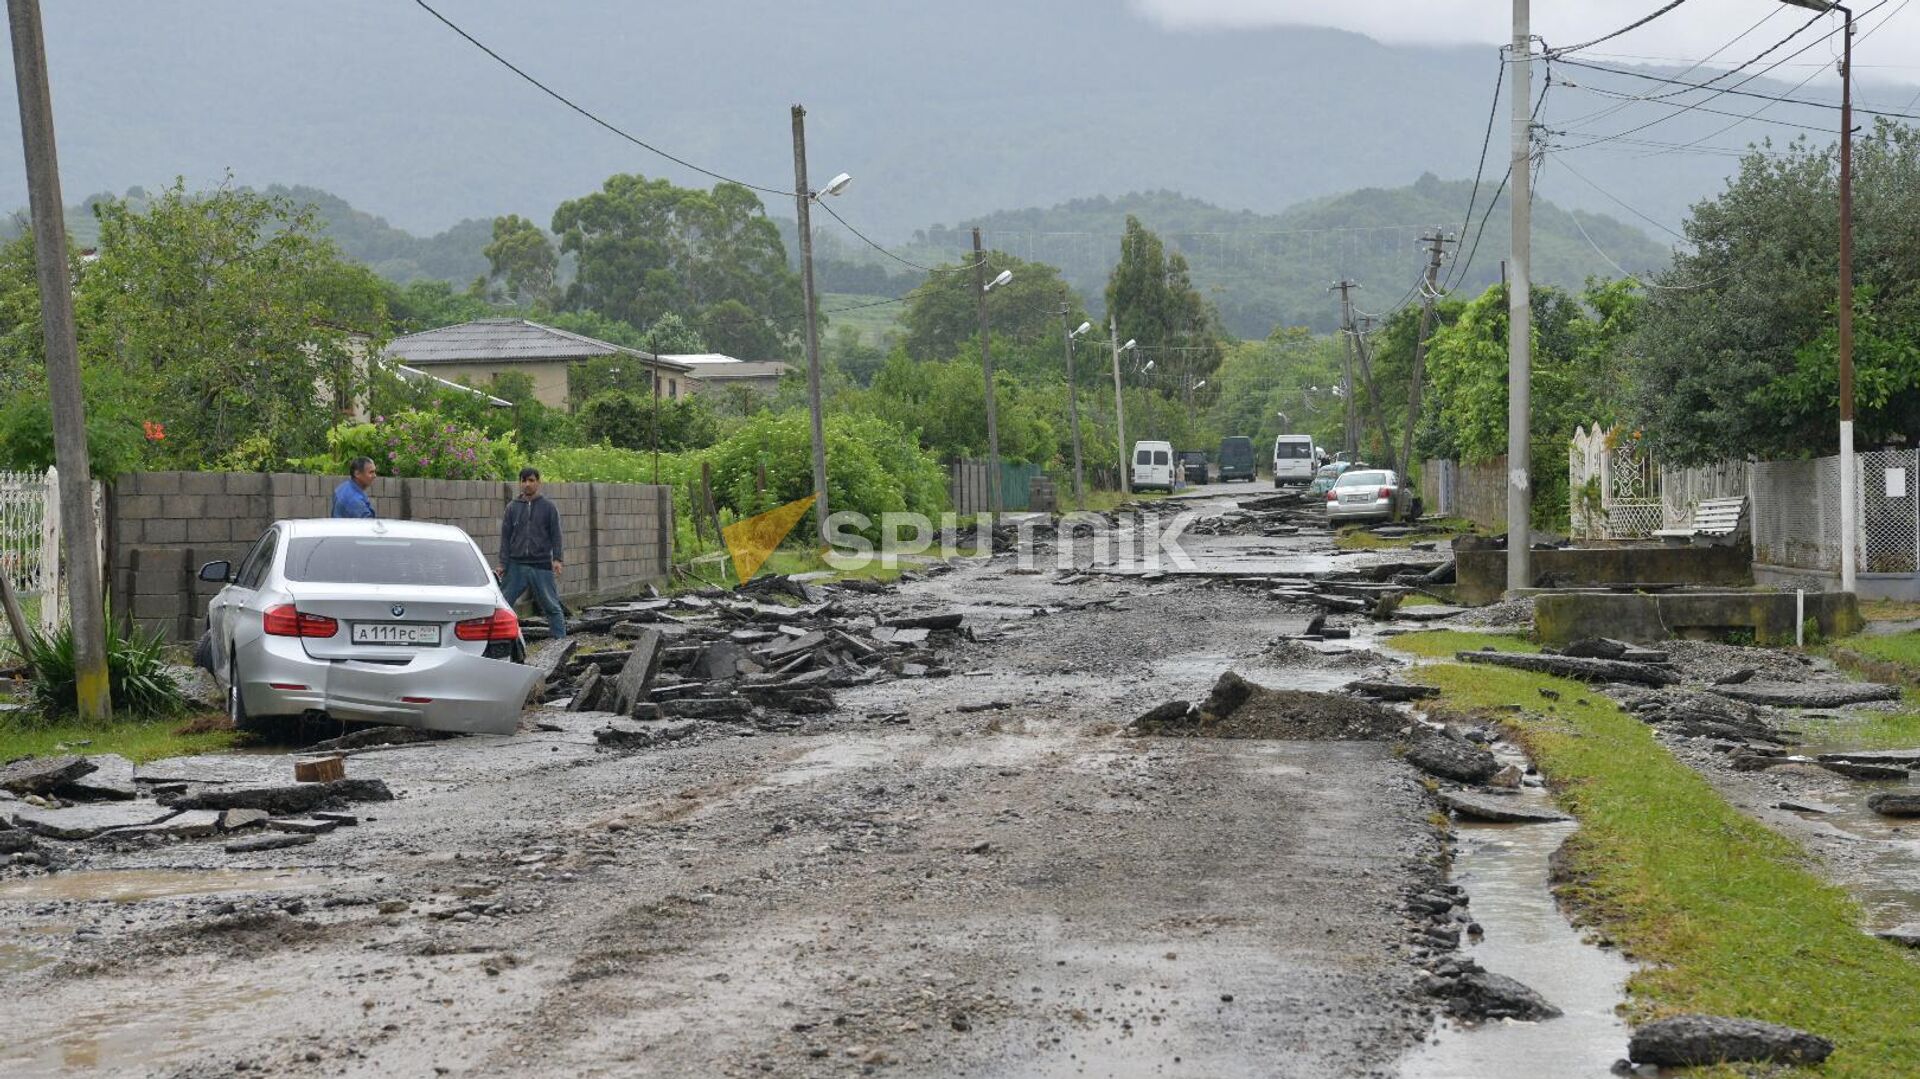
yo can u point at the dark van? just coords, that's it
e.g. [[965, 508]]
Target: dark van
[[1236, 458]]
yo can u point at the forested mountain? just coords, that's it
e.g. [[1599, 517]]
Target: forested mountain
[[1267, 270]]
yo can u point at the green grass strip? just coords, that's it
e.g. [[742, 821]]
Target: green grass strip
[[1727, 916], [1443, 643], [138, 742]]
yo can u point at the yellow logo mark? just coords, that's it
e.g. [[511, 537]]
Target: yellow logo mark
[[752, 541]]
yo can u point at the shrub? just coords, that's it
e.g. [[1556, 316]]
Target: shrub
[[137, 675], [420, 444]]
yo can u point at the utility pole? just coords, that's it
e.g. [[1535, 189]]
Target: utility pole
[[803, 200], [1849, 466], [1437, 241], [1520, 314], [1119, 408], [79, 532], [986, 368], [1365, 352], [1073, 404], [1344, 288]]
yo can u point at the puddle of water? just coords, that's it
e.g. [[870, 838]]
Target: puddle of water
[[134, 885], [128, 1039], [1885, 878], [1504, 869]]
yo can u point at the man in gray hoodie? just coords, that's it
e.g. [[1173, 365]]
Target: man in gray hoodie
[[530, 552]]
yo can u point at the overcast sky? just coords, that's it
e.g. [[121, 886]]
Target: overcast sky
[[1690, 32]]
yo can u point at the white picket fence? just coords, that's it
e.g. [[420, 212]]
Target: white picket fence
[[30, 543]]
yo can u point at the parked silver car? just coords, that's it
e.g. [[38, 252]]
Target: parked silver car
[[377, 621], [1370, 494]]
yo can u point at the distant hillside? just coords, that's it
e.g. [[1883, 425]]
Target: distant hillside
[[396, 254], [1261, 270], [1264, 270]]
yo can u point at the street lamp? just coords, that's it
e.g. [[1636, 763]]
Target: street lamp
[[1073, 404], [994, 494], [1849, 468], [1120, 401], [803, 198]]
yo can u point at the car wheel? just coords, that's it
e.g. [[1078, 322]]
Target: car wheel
[[236, 708]]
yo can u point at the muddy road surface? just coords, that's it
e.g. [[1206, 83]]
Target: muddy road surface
[[973, 875]]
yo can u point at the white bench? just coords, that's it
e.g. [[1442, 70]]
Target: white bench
[[1714, 520]]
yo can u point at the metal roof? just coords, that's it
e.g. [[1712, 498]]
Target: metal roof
[[509, 340], [728, 372]]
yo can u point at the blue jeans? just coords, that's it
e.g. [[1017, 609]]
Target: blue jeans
[[523, 577]]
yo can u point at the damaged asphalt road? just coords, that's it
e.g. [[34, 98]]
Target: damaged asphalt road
[[978, 874]]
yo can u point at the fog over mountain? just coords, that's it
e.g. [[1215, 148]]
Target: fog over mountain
[[943, 113]]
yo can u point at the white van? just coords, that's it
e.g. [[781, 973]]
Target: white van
[[1294, 460], [1153, 466]]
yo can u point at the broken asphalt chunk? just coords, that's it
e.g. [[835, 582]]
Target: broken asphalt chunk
[[1692, 1040], [42, 774], [289, 798], [270, 841]]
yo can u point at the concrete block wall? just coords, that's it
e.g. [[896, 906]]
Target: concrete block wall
[[162, 526]]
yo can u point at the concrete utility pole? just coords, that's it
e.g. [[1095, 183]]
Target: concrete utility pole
[[803, 200], [1120, 409], [986, 368], [1348, 442], [1520, 314], [81, 536], [1073, 402], [1437, 241], [1849, 467]]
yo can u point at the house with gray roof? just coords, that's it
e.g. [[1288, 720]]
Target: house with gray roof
[[477, 351], [712, 372]]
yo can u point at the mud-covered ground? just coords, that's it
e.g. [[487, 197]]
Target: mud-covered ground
[[903, 888]]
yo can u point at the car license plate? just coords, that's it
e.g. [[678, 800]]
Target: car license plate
[[395, 633]]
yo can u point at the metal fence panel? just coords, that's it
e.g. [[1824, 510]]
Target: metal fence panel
[[1889, 527]]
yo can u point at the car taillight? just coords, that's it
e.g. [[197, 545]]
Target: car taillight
[[502, 625], [1331, 496], [1386, 492], [287, 621]]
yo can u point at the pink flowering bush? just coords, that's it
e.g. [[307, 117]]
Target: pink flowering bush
[[425, 445]]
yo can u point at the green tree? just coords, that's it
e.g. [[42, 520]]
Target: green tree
[[1737, 347], [232, 316], [626, 421], [521, 262], [1151, 295], [943, 314], [1575, 344], [646, 247]]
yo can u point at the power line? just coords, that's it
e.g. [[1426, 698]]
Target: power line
[[569, 103], [1681, 108], [1610, 197], [1745, 93], [1460, 268], [1486, 140], [1755, 114], [1635, 25], [822, 203], [1643, 282], [1602, 114]]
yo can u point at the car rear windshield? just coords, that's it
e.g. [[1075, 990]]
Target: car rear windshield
[[1363, 479], [1293, 450], [384, 560], [1330, 471]]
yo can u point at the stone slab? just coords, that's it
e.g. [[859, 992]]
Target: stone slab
[[111, 780], [86, 821], [193, 824], [1499, 809]]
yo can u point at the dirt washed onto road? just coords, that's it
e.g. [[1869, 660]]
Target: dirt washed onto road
[[1016, 889]]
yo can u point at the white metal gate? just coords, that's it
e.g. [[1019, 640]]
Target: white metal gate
[[30, 544]]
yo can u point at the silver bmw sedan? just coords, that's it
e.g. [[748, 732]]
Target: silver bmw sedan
[[376, 621]]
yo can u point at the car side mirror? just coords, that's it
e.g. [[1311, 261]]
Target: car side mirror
[[220, 572]]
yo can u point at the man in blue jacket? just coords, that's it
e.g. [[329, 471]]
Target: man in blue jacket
[[530, 553], [350, 498]]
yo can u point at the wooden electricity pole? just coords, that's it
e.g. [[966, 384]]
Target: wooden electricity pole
[[1348, 442], [1429, 291], [80, 531]]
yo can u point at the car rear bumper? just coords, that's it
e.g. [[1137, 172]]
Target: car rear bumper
[[440, 689], [1360, 511]]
